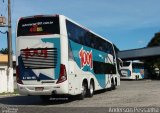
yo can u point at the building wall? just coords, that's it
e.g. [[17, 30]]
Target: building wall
[[3, 62], [6, 75], [3, 58]]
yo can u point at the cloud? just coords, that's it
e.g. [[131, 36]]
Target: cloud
[[141, 42]]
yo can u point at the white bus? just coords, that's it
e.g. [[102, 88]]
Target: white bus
[[57, 56], [133, 70]]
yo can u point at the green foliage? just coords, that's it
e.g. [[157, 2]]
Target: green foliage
[[154, 62], [155, 41], [4, 51]]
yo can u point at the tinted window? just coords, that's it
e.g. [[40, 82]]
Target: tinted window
[[87, 39], [75, 33], [103, 68], [84, 37], [138, 65], [38, 26], [126, 63]]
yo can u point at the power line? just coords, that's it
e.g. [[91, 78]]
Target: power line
[[4, 32]]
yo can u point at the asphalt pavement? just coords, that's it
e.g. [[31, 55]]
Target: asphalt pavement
[[142, 93]]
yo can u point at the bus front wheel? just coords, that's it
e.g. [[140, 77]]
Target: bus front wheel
[[137, 77]]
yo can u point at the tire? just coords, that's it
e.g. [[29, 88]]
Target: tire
[[45, 98], [91, 89], [84, 91], [113, 86]]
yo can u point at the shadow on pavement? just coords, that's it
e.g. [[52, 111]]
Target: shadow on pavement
[[34, 100]]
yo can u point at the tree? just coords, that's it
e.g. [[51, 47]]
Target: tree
[[4, 51], [155, 41], [154, 62]]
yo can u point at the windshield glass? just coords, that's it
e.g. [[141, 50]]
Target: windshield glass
[[126, 63], [38, 26], [138, 65]]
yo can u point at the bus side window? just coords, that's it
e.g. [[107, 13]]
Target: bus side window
[[101, 45], [87, 39], [69, 35], [92, 44], [81, 36], [100, 48], [70, 30], [76, 35], [96, 42], [105, 46]]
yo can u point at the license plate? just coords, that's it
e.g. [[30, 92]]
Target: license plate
[[39, 88]]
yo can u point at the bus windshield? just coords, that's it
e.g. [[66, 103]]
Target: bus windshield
[[126, 63], [138, 65], [38, 26]]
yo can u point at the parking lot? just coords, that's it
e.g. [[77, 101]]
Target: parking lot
[[142, 93]]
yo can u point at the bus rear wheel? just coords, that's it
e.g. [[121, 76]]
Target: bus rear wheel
[[91, 89], [83, 91], [113, 85]]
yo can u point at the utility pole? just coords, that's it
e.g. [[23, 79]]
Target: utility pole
[[10, 86], [10, 64]]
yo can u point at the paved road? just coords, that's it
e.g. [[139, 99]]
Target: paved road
[[144, 93]]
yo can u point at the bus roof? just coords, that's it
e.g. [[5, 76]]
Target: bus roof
[[62, 16]]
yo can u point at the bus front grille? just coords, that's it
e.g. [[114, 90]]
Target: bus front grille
[[39, 58]]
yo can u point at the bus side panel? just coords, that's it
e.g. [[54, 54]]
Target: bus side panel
[[72, 81], [139, 72], [76, 77], [84, 65]]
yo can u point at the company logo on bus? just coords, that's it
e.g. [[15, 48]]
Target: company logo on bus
[[35, 52], [85, 58]]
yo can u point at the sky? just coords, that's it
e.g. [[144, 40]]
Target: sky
[[129, 24]]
